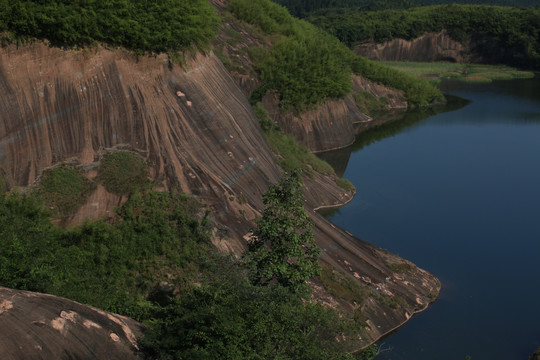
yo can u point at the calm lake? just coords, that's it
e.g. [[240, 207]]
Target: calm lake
[[458, 193]]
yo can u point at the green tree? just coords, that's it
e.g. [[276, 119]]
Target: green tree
[[282, 248]]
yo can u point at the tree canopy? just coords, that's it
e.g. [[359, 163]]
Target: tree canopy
[[514, 30], [143, 25], [282, 248]]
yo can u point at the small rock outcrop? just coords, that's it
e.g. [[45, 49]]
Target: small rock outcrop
[[39, 326], [428, 47]]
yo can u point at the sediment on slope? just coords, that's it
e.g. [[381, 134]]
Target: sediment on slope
[[199, 132]]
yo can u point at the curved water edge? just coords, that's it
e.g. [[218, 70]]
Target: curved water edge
[[457, 193]]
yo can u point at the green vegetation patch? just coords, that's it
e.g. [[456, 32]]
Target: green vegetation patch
[[306, 65], [342, 286], [466, 72], [233, 319], [419, 92], [488, 73], [113, 266], [369, 104], [511, 28], [143, 25], [64, 189], [291, 155], [400, 268], [394, 301], [122, 172], [345, 184], [157, 238]]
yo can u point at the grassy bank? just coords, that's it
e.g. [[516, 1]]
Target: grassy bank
[[465, 72]]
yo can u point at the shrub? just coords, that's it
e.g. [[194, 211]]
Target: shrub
[[64, 188], [122, 172]]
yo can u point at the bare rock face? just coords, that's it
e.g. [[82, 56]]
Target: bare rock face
[[39, 326], [331, 125], [428, 47], [196, 127]]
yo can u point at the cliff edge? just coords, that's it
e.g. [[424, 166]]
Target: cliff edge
[[196, 127]]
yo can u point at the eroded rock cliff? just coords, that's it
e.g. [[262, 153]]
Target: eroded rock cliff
[[40, 326], [199, 132], [475, 48], [428, 47]]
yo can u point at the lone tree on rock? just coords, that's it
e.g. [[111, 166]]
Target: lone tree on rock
[[282, 248]]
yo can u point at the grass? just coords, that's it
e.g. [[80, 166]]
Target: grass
[[342, 286], [394, 302], [465, 72], [369, 104], [122, 172], [64, 189], [400, 268], [291, 155], [345, 184]]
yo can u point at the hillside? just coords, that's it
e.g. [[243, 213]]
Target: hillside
[[191, 120], [304, 9], [485, 34]]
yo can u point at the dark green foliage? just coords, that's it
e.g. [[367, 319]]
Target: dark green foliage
[[419, 92], [400, 268], [291, 156], [345, 184], [304, 67], [514, 30], [307, 66], [64, 189], [27, 242], [111, 266], [231, 319], [143, 25], [282, 248], [369, 104], [342, 286], [122, 172], [302, 8]]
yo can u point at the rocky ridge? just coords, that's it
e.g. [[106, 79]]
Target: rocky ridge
[[196, 127]]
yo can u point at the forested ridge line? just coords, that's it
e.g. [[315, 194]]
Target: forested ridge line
[[142, 26], [302, 8], [511, 28], [306, 65]]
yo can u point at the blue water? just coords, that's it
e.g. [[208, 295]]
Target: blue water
[[458, 193]]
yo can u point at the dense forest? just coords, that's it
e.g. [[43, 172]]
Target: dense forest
[[143, 26], [517, 29], [156, 247], [307, 65], [302, 8]]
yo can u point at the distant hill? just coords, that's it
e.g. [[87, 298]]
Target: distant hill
[[303, 8]]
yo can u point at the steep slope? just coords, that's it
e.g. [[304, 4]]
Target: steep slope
[[428, 47], [482, 49], [195, 126], [198, 130], [327, 126], [40, 326]]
